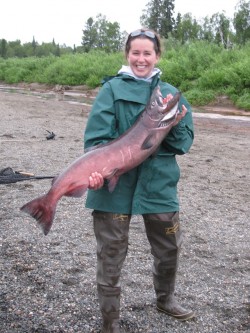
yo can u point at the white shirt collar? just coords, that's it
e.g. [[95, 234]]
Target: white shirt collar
[[127, 70]]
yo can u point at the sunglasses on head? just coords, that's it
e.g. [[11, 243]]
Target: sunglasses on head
[[147, 33]]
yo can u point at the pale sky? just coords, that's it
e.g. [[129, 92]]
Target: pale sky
[[65, 20]]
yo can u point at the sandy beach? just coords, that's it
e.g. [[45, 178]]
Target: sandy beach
[[47, 283]]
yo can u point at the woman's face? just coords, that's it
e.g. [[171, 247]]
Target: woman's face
[[142, 57]]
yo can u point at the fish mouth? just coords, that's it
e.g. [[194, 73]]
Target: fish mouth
[[170, 115], [169, 118], [161, 112]]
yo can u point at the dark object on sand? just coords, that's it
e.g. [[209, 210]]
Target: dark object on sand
[[50, 136], [7, 176]]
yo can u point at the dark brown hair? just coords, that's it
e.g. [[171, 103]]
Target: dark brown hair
[[144, 33]]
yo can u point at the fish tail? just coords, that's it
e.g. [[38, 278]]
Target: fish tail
[[42, 210]]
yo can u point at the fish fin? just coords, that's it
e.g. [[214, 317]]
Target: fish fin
[[112, 183], [112, 179], [148, 142], [77, 192], [42, 210], [112, 173]]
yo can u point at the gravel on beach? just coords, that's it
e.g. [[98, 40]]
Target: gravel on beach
[[47, 283]]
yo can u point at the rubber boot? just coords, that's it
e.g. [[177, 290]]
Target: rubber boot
[[166, 300], [109, 299], [111, 231], [165, 237]]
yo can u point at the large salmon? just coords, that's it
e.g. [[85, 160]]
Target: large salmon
[[111, 160]]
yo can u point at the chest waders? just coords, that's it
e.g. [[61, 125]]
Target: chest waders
[[165, 238]]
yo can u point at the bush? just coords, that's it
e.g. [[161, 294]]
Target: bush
[[200, 98], [200, 69], [243, 101]]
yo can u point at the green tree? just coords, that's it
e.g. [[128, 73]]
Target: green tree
[[113, 38], [45, 49], [3, 48], [206, 29], [241, 22], [15, 49], [57, 50], [34, 45], [167, 22], [102, 34], [186, 28], [221, 27], [177, 31], [158, 16], [90, 35], [151, 15]]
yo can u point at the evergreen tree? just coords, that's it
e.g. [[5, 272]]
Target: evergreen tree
[[3, 48], [90, 35], [167, 21], [159, 16], [177, 27], [34, 45]]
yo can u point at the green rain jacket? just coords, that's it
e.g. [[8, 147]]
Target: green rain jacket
[[152, 186]]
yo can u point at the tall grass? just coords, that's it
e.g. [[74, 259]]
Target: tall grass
[[200, 70]]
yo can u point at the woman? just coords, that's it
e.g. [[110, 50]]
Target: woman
[[150, 189]]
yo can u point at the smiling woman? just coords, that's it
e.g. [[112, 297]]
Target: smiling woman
[[149, 189], [140, 55]]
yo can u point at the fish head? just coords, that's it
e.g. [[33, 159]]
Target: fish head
[[161, 112]]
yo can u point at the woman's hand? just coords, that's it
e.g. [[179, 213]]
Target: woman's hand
[[181, 114], [96, 181]]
